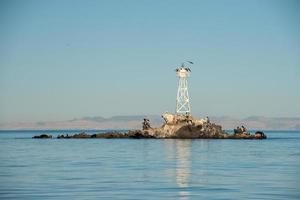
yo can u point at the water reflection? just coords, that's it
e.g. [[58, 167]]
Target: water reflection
[[180, 151]]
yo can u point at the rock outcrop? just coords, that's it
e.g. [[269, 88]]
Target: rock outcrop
[[42, 136], [178, 131], [176, 127], [188, 131], [108, 135]]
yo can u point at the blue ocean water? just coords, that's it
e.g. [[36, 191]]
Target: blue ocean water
[[148, 168]]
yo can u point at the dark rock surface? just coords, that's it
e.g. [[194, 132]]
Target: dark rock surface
[[42, 136], [182, 130], [205, 131], [108, 135], [185, 132], [260, 135]]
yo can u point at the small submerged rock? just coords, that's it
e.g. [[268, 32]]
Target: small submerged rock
[[42, 136], [260, 135]]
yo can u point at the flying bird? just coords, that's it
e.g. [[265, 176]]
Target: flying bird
[[190, 62]]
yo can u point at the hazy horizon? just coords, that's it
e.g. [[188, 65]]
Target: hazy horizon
[[135, 122], [61, 60]]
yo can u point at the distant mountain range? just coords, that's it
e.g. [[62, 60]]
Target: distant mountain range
[[260, 123], [134, 122]]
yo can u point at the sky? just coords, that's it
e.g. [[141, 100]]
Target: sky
[[64, 59]]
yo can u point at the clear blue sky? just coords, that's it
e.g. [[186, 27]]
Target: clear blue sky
[[65, 59]]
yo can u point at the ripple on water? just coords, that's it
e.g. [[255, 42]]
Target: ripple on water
[[150, 169]]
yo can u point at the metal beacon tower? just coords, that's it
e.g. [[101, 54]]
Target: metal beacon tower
[[183, 100]]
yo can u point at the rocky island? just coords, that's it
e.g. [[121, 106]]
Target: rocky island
[[175, 127]]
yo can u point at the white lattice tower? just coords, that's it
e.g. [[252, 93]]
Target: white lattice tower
[[183, 100]]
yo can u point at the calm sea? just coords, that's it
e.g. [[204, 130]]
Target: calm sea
[[148, 168]]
